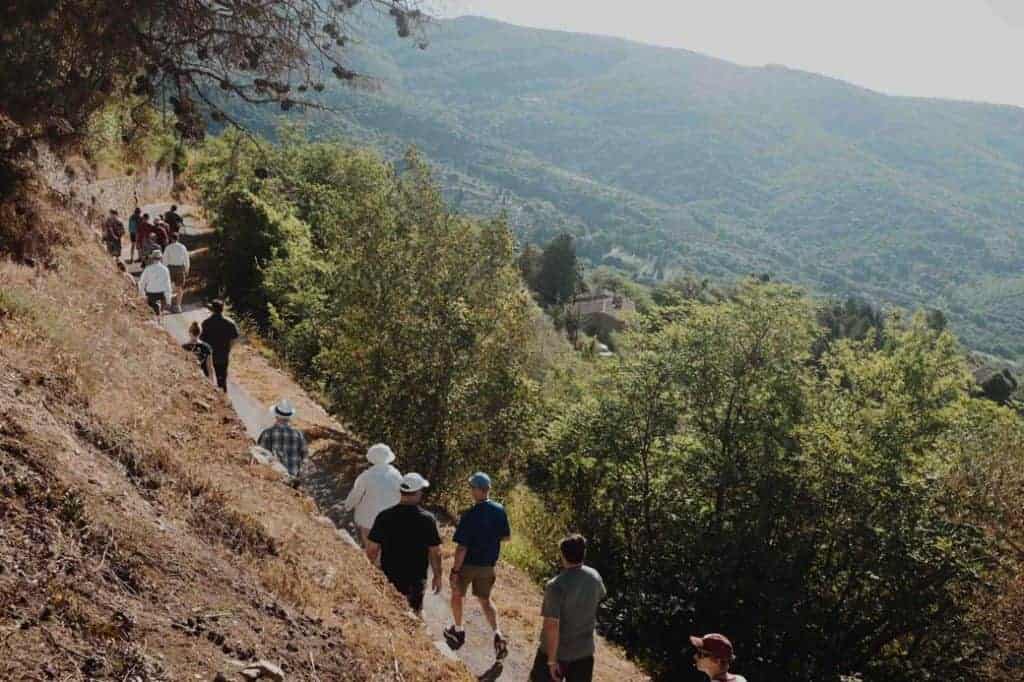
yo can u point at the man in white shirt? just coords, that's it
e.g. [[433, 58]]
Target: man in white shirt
[[178, 264], [155, 283], [375, 490]]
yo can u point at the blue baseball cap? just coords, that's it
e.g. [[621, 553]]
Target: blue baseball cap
[[480, 480]]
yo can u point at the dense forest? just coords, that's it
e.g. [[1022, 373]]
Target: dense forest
[[818, 480], [664, 162]]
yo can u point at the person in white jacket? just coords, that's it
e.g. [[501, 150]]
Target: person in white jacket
[[375, 490], [155, 284]]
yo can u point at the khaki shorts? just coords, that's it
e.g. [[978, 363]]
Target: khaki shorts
[[481, 577], [177, 275]]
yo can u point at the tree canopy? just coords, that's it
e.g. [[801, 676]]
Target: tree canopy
[[61, 60]]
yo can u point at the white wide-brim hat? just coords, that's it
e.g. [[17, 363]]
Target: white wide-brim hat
[[380, 454], [283, 409]]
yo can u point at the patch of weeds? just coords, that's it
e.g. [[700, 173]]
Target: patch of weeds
[[212, 518], [145, 472], [14, 305], [72, 510]]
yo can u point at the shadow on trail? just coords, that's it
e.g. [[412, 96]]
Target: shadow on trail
[[492, 673]]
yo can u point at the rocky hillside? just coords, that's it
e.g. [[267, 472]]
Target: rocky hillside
[[136, 541]]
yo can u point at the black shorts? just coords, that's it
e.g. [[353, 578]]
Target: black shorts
[[581, 670], [155, 301]]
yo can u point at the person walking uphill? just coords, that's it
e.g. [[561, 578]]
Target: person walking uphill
[[405, 538], [570, 615], [221, 333], [714, 657], [286, 442], [481, 530], [375, 490], [155, 284]]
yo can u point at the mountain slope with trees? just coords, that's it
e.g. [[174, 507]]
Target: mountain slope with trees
[[666, 162]]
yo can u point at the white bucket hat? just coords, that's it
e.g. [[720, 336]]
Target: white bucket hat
[[413, 483], [284, 409], [380, 454]]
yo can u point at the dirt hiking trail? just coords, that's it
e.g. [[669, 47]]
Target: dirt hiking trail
[[337, 457]]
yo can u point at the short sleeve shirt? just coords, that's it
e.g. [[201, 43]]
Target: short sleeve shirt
[[480, 531], [572, 598], [405, 534], [219, 332]]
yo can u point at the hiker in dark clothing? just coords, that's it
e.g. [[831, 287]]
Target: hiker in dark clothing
[[221, 333], [145, 228], [200, 349], [133, 232], [481, 530], [160, 234], [174, 220], [113, 233], [405, 537]]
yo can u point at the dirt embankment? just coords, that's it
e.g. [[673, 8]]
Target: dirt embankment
[[136, 543]]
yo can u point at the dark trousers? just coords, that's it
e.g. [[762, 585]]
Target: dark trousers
[[581, 670], [413, 591], [220, 368], [155, 301]]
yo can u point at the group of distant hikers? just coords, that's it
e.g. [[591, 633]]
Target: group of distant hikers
[[165, 260], [398, 534]]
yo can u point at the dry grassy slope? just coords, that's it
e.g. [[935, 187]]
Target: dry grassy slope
[[135, 541]]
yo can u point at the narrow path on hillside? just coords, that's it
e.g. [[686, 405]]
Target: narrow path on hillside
[[329, 475], [328, 489], [254, 416]]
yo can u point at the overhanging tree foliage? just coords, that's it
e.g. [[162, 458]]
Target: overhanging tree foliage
[[60, 60]]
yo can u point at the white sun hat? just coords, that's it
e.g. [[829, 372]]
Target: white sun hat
[[283, 409], [380, 454], [413, 483]]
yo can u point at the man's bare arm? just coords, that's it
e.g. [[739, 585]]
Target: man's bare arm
[[460, 556], [372, 551], [549, 635], [435, 566]]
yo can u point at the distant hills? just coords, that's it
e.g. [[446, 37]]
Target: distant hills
[[664, 162]]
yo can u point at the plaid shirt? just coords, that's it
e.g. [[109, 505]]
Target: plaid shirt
[[288, 444]]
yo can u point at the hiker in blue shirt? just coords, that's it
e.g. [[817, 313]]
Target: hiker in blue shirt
[[481, 530]]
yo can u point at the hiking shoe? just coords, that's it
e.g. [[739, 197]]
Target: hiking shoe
[[454, 638], [500, 646]]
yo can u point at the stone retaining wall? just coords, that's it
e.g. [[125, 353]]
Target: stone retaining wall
[[77, 183]]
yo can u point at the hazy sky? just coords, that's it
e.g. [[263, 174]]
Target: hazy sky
[[964, 49]]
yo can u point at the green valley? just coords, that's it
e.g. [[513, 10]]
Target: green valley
[[665, 162]]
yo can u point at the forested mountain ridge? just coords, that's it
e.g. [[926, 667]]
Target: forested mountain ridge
[[664, 161]]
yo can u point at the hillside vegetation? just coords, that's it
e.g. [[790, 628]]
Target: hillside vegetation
[[137, 542], [667, 162], [819, 481]]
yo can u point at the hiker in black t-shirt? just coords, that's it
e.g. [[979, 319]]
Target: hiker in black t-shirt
[[174, 220], [405, 537], [200, 349], [221, 333]]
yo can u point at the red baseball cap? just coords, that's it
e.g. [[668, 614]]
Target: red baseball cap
[[717, 645]]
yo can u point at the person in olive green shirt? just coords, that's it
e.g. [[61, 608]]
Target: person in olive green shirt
[[570, 617]]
